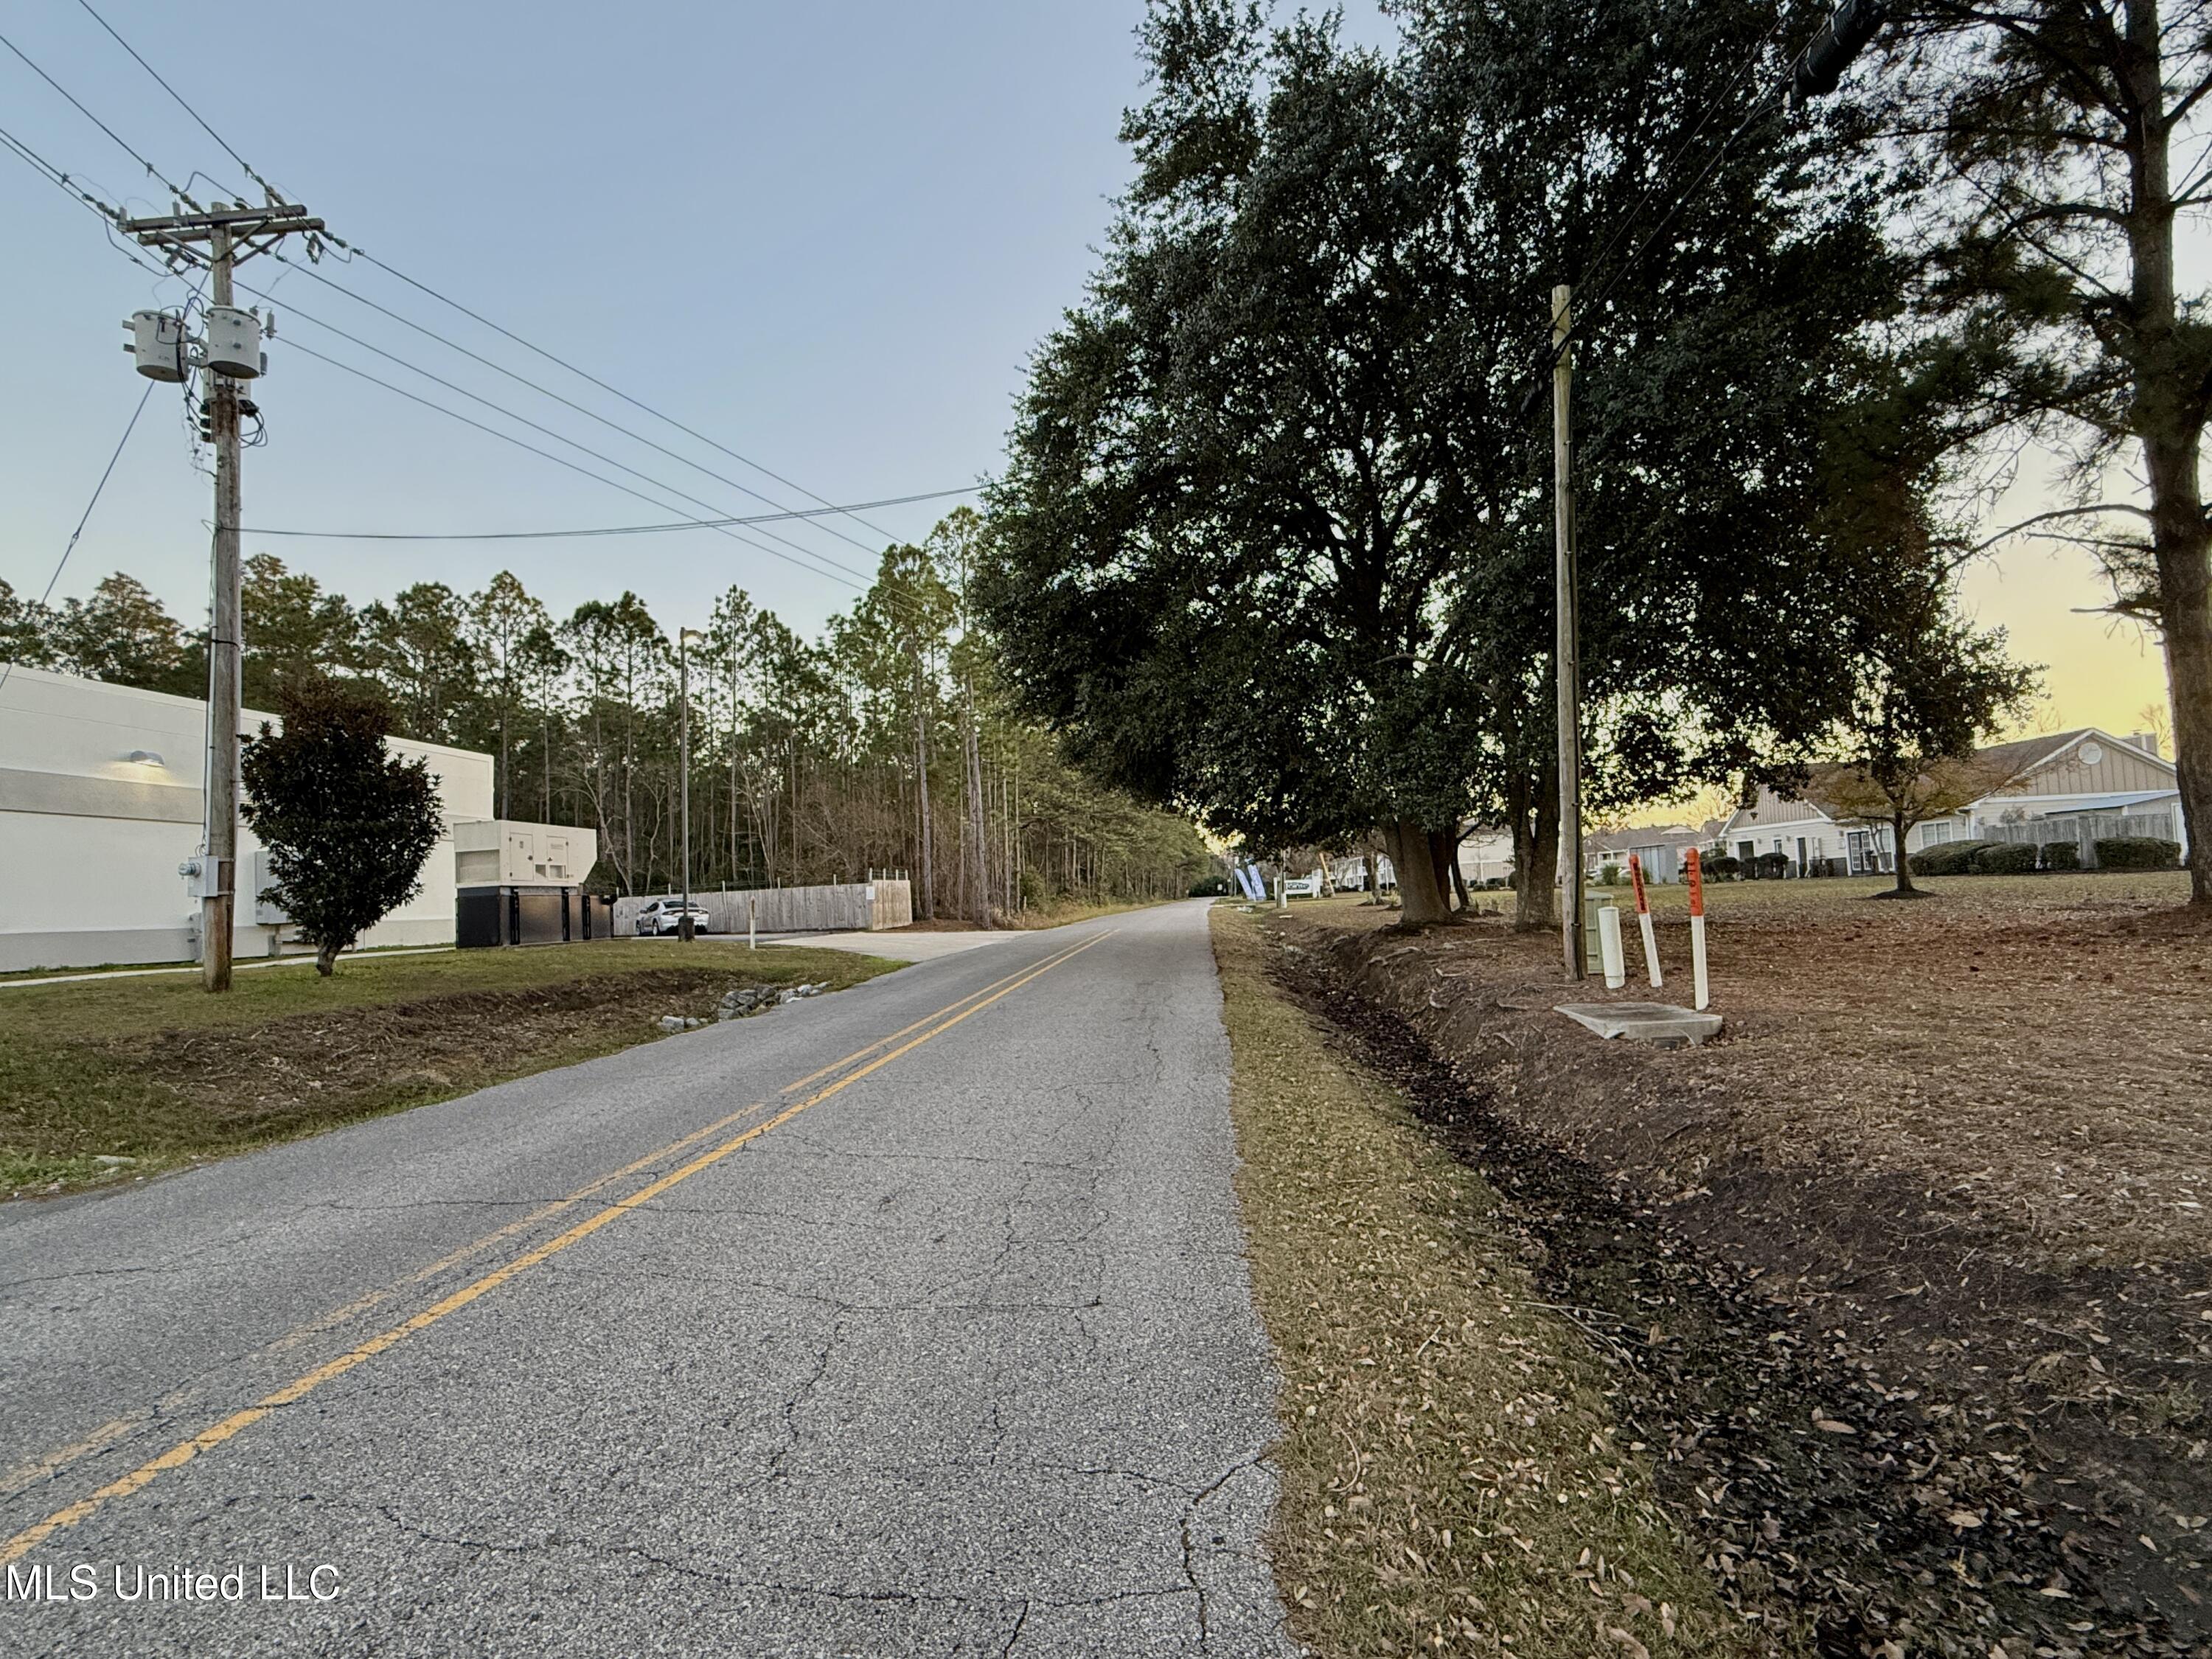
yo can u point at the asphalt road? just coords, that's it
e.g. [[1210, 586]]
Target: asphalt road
[[912, 1320]]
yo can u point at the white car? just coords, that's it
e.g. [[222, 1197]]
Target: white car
[[663, 916]]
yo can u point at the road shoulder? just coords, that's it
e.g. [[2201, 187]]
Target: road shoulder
[[1452, 1476]]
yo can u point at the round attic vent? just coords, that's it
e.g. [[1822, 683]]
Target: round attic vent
[[2092, 754]]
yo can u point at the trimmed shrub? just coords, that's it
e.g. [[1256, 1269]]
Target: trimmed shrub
[[1950, 858], [2137, 853], [1726, 867], [1608, 875], [1772, 866], [2004, 857], [2061, 855]]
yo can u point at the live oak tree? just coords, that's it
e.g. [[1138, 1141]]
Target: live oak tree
[[1275, 542], [1218, 545], [2064, 145], [347, 824]]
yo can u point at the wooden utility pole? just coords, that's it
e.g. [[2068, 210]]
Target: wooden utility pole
[[1567, 652], [684, 638], [232, 235]]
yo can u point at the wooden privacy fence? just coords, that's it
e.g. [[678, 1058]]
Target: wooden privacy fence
[[2082, 830], [851, 907]]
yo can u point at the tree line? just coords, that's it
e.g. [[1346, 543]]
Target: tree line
[[1274, 541], [887, 744]]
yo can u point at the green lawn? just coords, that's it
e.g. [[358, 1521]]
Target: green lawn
[[156, 1071]]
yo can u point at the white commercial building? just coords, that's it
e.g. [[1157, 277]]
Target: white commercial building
[[101, 801]]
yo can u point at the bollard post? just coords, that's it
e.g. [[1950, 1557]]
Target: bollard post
[[1644, 919], [1697, 932], [752, 924], [1610, 953]]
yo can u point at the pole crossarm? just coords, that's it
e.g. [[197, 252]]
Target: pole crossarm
[[251, 230]]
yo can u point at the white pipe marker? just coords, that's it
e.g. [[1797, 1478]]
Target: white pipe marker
[[1609, 946], [1697, 933]]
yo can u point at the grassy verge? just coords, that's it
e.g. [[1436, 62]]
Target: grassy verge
[[157, 1072], [1453, 1479]]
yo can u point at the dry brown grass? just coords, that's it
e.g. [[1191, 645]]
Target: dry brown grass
[[2033, 1053], [1960, 1145], [1453, 1479]]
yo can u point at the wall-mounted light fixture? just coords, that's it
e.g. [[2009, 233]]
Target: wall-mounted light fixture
[[144, 757]]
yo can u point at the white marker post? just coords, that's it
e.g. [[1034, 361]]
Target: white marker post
[[752, 924], [1644, 919], [1697, 932], [1609, 946]]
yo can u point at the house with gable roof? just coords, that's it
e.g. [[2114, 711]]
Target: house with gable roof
[[2079, 786]]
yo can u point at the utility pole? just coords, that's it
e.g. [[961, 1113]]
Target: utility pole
[[684, 638], [1567, 651], [233, 354]]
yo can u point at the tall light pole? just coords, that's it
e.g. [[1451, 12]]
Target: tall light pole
[[684, 638]]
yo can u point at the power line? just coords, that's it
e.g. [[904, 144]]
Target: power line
[[442, 299], [85, 518], [1659, 178], [181, 103], [151, 169], [519, 379], [807, 560], [558, 460], [633, 403], [558, 437], [1758, 109], [53, 174], [602, 530]]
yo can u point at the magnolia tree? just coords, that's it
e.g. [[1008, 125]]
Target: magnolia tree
[[348, 825]]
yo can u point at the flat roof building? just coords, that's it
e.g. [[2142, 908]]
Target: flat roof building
[[101, 801]]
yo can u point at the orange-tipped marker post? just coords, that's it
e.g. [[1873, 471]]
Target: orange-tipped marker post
[[1644, 919], [1697, 932]]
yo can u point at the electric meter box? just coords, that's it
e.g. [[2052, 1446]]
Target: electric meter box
[[233, 342], [157, 340]]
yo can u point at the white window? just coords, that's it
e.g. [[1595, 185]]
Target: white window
[[1935, 835]]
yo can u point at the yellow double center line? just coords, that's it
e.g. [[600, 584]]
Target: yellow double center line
[[297, 1390]]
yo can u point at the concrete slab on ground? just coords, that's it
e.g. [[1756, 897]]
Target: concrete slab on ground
[[1643, 1022]]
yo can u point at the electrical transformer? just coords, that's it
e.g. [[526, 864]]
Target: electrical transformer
[[233, 342], [157, 340]]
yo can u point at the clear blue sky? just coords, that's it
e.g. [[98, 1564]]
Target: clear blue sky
[[828, 235]]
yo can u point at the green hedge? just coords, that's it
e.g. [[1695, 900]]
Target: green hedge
[[1950, 858], [2004, 857], [2137, 853], [2061, 855], [1723, 868]]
